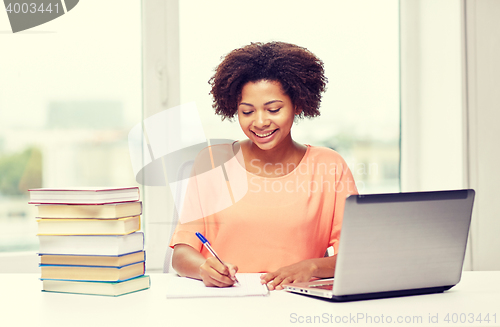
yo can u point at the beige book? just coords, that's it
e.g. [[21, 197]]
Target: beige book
[[101, 211], [84, 195], [120, 226], [107, 274], [97, 288], [110, 245], [93, 260]]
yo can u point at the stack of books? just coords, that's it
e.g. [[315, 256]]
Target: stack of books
[[90, 241]]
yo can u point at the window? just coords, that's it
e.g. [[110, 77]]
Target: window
[[357, 40], [70, 91]]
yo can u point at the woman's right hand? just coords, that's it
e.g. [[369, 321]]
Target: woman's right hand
[[213, 273]]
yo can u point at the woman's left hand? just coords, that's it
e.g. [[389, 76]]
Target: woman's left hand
[[301, 271]]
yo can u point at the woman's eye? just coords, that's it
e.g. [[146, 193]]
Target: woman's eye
[[246, 112], [275, 110]]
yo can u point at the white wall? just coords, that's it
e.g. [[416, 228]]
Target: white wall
[[431, 96], [483, 104], [161, 91], [450, 75], [432, 108]]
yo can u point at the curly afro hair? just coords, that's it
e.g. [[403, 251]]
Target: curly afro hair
[[299, 71]]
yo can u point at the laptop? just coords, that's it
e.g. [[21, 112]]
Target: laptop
[[396, 245]]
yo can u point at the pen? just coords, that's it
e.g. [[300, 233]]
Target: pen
[[206, 243]]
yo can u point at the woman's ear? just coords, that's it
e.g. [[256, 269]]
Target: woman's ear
[[298, 111]]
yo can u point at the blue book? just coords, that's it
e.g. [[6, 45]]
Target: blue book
[[91, 273], [97, 287]]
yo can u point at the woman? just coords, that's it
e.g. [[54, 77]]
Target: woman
[[292, 210]]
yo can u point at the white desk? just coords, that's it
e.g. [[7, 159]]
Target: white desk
[[23, 304]]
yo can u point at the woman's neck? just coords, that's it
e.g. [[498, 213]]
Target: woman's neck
[[280, 154], [286, 155]]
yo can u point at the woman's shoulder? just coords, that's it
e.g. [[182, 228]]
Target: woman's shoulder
[[222, 148], [328, 162], [214, 155], [324, 153]]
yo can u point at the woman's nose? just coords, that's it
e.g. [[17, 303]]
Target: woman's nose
[[261, 120]]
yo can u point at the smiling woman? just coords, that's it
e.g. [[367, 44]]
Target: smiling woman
[[265, 112], [266, 116], [267, 85], [299, 72], [359, 117]]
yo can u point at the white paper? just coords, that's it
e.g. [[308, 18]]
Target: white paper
[[182, 287]]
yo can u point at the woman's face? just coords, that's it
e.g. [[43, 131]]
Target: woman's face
[[265, 113]]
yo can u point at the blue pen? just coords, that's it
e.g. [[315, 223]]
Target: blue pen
[[206, 243]]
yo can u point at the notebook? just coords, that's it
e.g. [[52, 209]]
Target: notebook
[[183, 287], [397, 244]]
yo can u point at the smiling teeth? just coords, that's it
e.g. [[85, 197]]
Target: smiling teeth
[[264, 135]]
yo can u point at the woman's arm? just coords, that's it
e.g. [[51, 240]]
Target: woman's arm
[[301, 271], [188, 262]]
